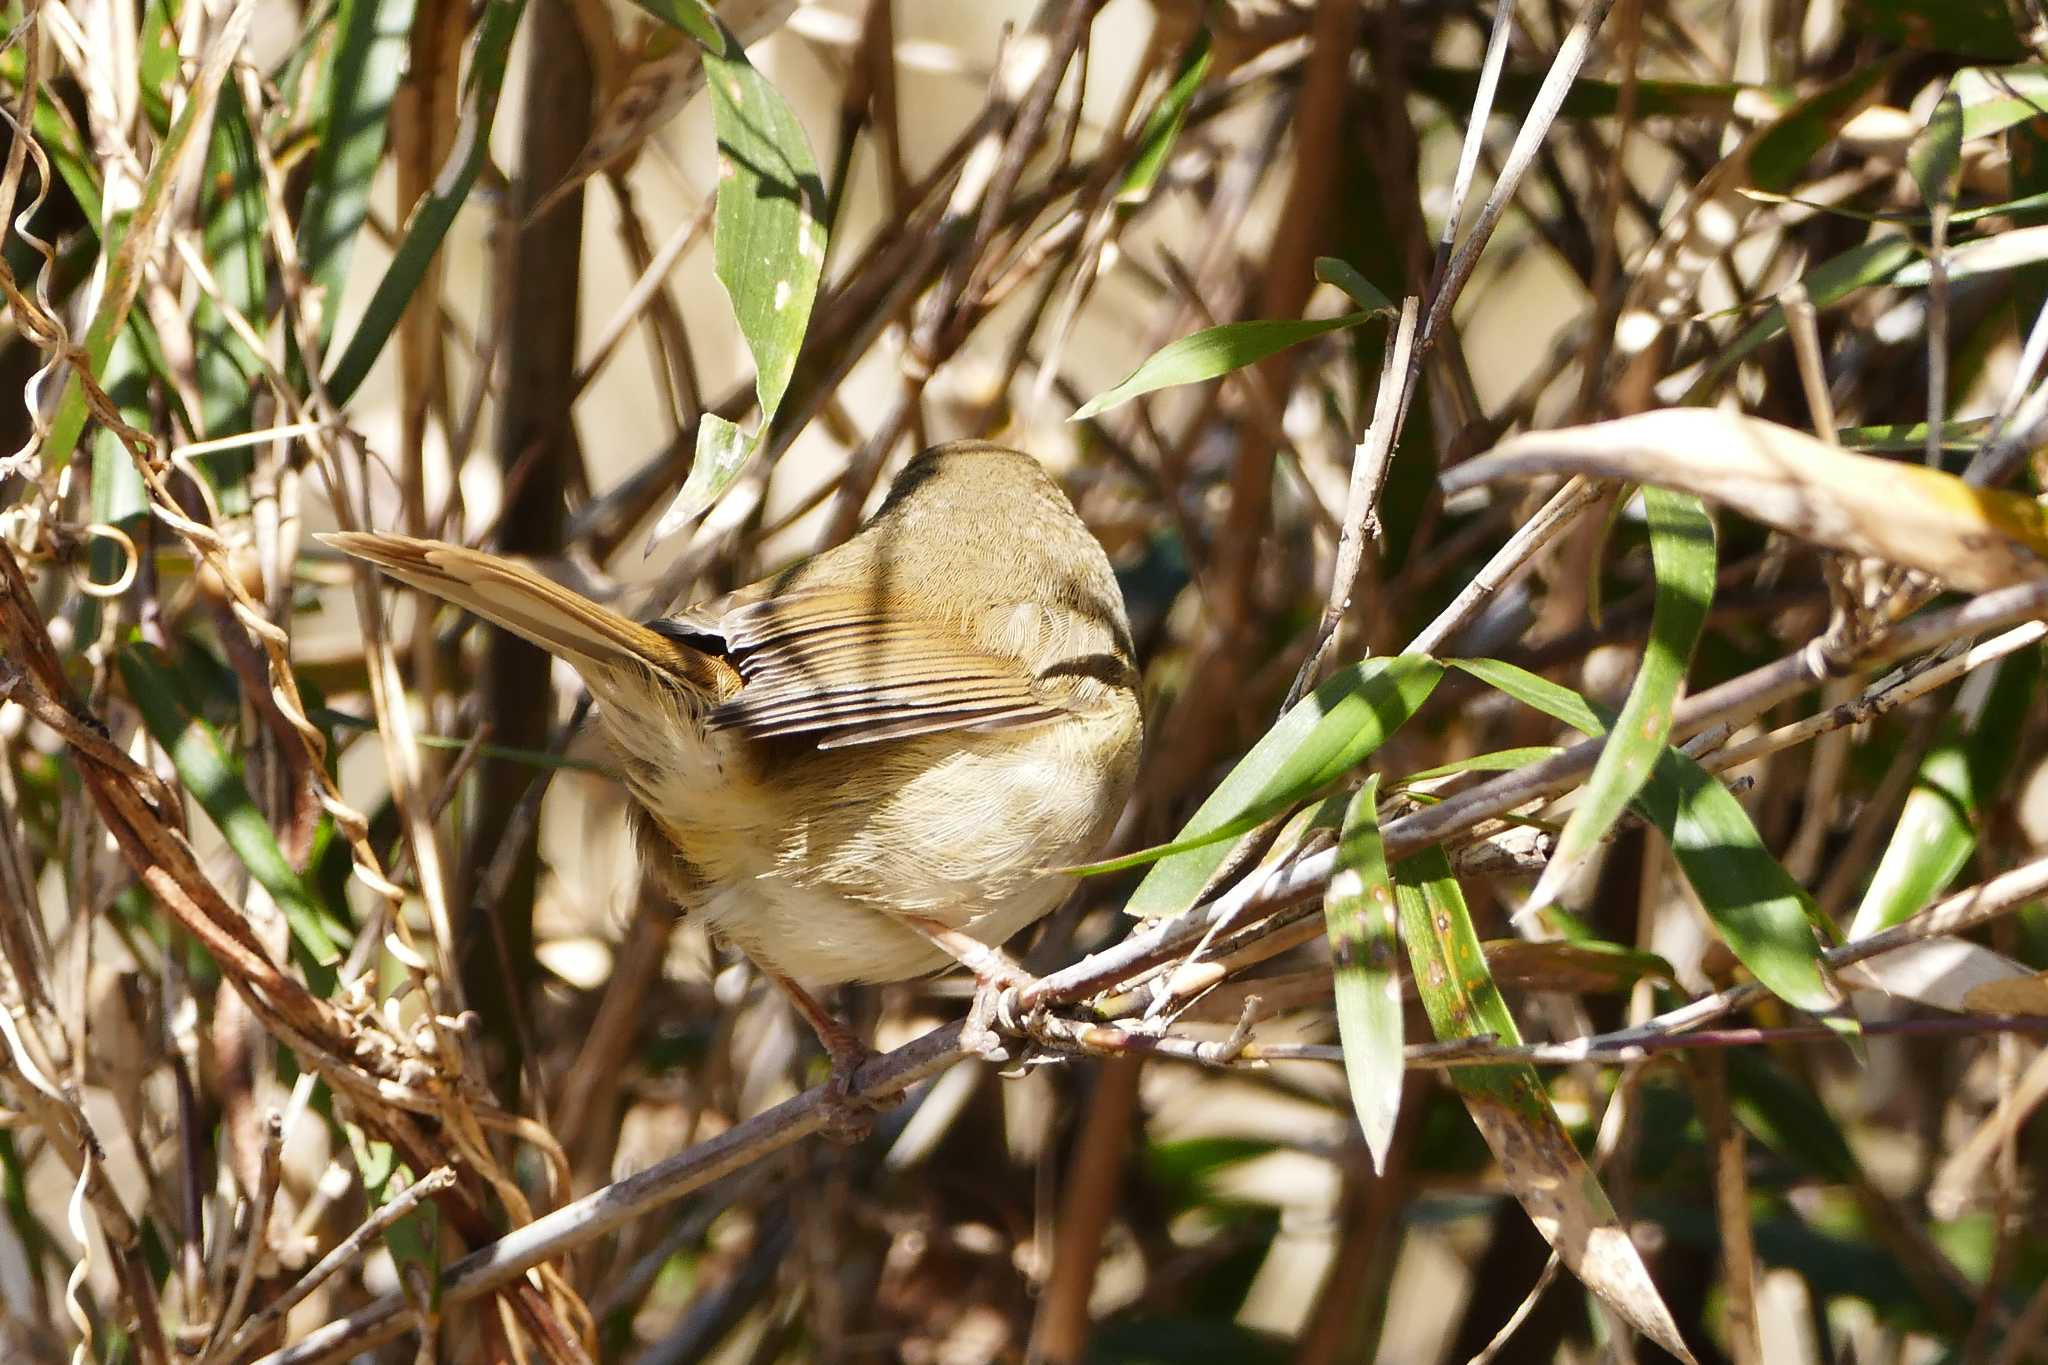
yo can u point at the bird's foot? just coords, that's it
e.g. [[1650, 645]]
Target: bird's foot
[[850, 1115]]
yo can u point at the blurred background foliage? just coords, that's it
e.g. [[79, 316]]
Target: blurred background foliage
[[320, 931]]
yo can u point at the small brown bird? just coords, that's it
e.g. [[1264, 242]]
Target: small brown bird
[[862, 767]]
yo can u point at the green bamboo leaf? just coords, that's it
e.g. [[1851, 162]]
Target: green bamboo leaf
[[1326, 735], [1362, 922], [768, 250], [208, 771], [1497, 761], [1229, 829], [693, 17], [126, 245], [1783, 1113], [1346, 277], [118, 495], [723, 450], [768, 234], [1155, 142], [372, 39], [1512, 1110], [1961, 433], [1456, 87], [434, 214], [1997, 98], [1937, 829], [1536, 692], [1765, 916], [1214, 351], [234, 242], [1936, 157], [1682, 548], [1779, 154]]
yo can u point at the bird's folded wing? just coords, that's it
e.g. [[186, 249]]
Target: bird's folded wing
[[833, 665]]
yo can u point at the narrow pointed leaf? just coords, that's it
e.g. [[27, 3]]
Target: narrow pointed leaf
[[1362, 923], [1765, 916], [1326, 735], [1558, 1190], [1214, 351], [1682, 547], [1155, 142], [429, 220], [210, 773], [768, 249], [1936, 156], [371, 43], [1346, 277], [1937, 829]]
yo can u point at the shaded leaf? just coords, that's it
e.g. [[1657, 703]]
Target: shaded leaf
[[210, 773], [429, 220], [1345, 276], [1936, 156], [371, 42]]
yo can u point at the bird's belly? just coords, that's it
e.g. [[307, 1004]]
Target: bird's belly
[[821, 938], [810, 873]]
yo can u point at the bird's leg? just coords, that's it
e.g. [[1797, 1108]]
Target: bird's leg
[[995, 972], [852, 1115]]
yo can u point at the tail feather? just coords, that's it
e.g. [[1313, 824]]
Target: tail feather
[[507, 593]]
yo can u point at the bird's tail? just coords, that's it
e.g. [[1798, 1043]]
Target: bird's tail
[[565, 623]]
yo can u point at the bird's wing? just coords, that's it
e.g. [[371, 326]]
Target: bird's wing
[[834, 665]]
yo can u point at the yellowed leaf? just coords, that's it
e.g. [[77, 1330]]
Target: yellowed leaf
[[1906, 514], [1564, 1200]]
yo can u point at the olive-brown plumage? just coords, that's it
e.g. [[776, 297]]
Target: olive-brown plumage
[[896, 737]]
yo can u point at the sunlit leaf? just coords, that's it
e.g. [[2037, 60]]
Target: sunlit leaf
[[1765, 917], [1997, 254], [1156, 139], [1214, 351], [1682, 549], [1556, 1188], [1362, 923], [768, 246], [1997, 98], [1326, 735], [1974, 538], [1936, 830]]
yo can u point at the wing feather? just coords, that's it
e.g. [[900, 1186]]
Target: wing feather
[[832, 665]]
